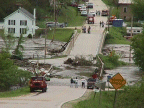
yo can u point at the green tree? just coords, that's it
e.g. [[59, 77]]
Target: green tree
[[138, 48], [138, 9], [10, 74], [19, 47]]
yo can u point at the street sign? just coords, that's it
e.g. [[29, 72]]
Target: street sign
[[101, 84], [117, 81]]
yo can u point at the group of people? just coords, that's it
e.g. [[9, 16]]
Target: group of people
[[84, 29], [74, 82], [101, 24]]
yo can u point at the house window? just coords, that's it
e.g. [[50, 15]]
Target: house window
[[138, 31], [11, 22], [11, 30], [23, 31], [23, 22], [125, 9]]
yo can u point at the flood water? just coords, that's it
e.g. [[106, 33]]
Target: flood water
[[130, 73]]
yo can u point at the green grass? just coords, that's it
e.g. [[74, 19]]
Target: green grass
[[130, 97], [109, 2], [115, 36], [61, 34], [68, 15], [106, 101], [19, 92]]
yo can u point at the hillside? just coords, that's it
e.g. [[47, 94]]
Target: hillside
[[64, 13]]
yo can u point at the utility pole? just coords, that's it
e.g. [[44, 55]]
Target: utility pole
[[109, 18], [54, 19], [131, 37], [46, 17]]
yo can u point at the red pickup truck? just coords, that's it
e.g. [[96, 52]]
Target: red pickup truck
[[38, 83]]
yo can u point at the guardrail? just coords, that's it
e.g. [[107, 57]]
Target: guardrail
[[102, 41], [71, 43]]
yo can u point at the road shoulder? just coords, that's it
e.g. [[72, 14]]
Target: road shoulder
[[71, 103]]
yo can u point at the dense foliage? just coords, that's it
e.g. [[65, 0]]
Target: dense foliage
[[138, 48], [10, 74], [138, 9], [43, 6], [111, 61]]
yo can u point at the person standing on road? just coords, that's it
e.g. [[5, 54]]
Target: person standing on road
[[100, 23], [76, 83], [71, 81], [83, 82], [89, 29]]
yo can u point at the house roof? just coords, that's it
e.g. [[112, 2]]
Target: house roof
[[24, 11], [125, 2]]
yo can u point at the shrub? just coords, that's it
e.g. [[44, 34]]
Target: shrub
[[29, 36], [110, 61]]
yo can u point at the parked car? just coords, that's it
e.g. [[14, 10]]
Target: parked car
[[52, 24], [104, 13], [90, 5], [83, 8], [91, 83], [79, 6], [38, 83], [92, 12], [83, 13]]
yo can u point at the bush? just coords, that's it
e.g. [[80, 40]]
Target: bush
[[29, 36], [110, 61]]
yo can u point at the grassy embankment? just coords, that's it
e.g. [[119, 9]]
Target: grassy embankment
[[115, 36], [130, 97], [68, 15], [19, 92]]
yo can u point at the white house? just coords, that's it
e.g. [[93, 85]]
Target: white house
[[20, 22]]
